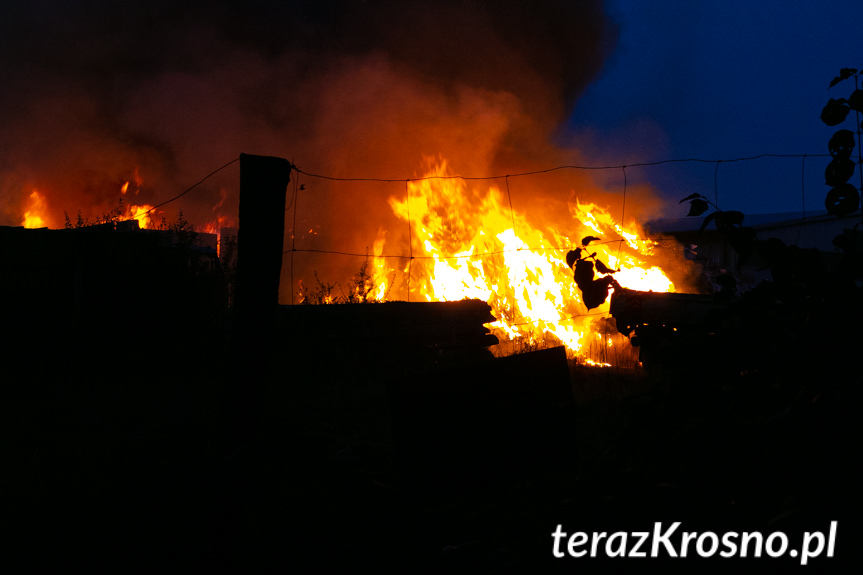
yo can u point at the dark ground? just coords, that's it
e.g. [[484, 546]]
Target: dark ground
[[119, 455]]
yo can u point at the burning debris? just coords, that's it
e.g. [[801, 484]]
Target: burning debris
[[467, 243], [359, 96]]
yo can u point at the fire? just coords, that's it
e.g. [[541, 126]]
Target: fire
[[219, 221], [141, 213], [633, 273], [469, 244], [37, 208], [215, 226]]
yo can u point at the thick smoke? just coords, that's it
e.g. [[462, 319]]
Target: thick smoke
[[97, 90]]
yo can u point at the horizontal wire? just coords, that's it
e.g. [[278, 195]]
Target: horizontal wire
[[556, 168], [535, 172], [450, 257]]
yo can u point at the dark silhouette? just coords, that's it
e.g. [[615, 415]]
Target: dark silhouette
[[594, 290]]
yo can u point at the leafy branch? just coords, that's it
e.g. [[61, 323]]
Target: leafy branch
[[843, 198], [594, 290], [730, 223]]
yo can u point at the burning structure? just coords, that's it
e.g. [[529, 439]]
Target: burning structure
[[467, 243], [467, 88]]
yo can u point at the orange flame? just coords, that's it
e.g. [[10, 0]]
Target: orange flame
[[468, 244], [216, 225], [141, 213], [144, 212], [37, 208]]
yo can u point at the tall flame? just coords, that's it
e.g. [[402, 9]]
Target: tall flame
[[37, 208], [470, 244]]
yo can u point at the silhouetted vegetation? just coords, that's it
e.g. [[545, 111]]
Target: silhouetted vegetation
[[594, 290], [361, 288], [843, 198]]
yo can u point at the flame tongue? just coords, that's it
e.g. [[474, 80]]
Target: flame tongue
[[37, 208], [467, 245]]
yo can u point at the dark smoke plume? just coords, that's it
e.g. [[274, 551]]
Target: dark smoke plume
[[96, 90]]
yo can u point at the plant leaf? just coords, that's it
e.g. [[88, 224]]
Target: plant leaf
[[835, 112], [690, 197], [855, 100], [572, 256], [841, 143], [588, 239], [839, 171], [697, 207], [583, 274], [842, 200], [604, 269], [844, 74]]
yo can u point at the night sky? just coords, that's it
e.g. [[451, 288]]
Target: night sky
[[723, 80]]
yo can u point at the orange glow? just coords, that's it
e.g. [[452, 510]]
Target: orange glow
[[37, 208], [144, 212], [380, 272], [465, 246], [215, 227], [141, 213]]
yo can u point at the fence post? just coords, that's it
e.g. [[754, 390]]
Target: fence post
[[263, 190]]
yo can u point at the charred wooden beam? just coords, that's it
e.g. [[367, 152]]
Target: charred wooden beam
[[457, 324], [632, 308]]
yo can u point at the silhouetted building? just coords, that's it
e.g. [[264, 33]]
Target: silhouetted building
[[710, 247], [80, 278]]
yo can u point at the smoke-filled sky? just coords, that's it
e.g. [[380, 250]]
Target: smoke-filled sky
[[97, 93], [95, 89]]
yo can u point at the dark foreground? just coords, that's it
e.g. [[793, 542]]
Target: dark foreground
[[121, 454]]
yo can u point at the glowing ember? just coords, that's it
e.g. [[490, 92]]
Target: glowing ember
[[465, 246], [37, 207]]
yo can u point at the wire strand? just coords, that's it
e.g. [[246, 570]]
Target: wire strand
[[564, 167], [187, 190], [448, 257]]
